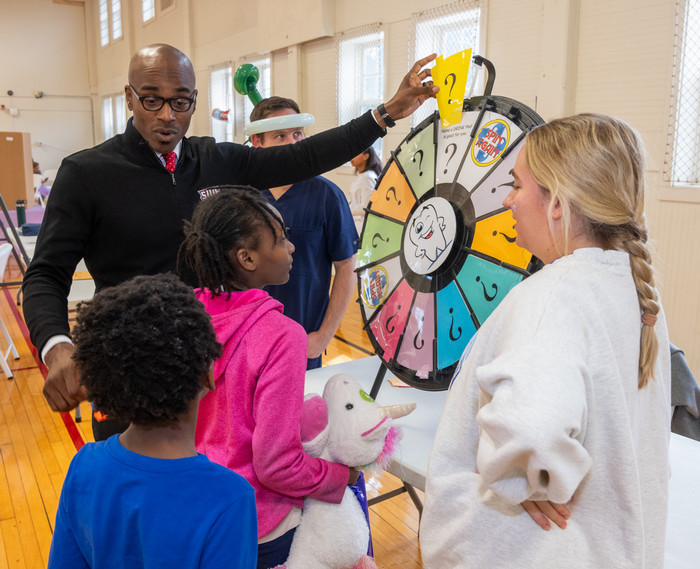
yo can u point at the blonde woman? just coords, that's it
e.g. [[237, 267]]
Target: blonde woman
[[560, 409]]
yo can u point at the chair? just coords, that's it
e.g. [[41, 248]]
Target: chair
[[39, 197], [685, 397], [50, 176], [42, 186], [5, 250], [11, 235]]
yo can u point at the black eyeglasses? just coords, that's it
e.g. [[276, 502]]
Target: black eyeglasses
[[154, 103]]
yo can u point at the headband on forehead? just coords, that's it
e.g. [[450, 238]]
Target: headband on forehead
[[277, 123]]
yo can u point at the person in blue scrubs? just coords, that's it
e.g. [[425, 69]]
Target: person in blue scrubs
[[322, 229]]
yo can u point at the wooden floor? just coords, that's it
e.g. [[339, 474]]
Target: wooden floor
[[36, 447]]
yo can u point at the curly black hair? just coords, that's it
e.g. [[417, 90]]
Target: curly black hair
[[143, 348], [230, 219]]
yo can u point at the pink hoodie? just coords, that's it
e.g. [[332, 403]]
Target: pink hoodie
[[251, 423]]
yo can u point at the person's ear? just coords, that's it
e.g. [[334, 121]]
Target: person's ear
[[129, 98], [556, 210], [245, 258], [256, 140], [209, 382]]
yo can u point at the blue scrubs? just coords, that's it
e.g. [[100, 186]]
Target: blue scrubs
[[322, 229]]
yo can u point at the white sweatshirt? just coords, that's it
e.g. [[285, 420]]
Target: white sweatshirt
[[360, 192], [546, 407]]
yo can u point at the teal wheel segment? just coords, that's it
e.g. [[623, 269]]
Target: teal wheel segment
[[485, 284], [455, 326]]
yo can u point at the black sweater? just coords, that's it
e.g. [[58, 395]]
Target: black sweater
[[116, 206]]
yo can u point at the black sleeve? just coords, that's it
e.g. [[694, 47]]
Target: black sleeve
[[60, 246], [281, 165]]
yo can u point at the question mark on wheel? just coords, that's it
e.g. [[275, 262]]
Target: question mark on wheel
[[388, 320], [487, 296], [505, 236], [454, 80], [454, 151], [420, 162], [415, 338], [392, 190], [452, 325], [374, 240]]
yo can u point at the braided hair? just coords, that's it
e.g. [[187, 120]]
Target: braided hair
[[226, 221], [594, 165], [143, 348]]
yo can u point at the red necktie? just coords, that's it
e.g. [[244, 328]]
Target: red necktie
[[169, 161]]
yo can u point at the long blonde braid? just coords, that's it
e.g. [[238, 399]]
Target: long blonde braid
[[594, 165]]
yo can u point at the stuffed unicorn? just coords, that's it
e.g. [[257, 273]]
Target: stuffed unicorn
[[348, 427]]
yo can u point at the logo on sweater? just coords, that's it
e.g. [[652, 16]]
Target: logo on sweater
[[207, 192]]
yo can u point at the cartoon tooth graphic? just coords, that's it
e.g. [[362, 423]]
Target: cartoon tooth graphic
[[427, 233]]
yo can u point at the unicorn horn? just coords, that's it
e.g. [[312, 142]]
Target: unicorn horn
[[396, 411]]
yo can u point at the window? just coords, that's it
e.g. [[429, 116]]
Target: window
[[110, 12], [682, 164], [148, 10], [360, 73], [263, 85], [243, 106], [221, 104], [113, 115], [445, 31]]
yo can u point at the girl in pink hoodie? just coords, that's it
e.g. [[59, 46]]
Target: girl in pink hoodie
[[237, 244]]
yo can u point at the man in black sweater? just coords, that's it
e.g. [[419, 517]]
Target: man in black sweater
[[121, 204]]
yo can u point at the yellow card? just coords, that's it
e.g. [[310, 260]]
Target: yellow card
[[451, 76]]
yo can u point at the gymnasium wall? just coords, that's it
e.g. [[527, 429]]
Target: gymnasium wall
[[557, 56], [43, 47]]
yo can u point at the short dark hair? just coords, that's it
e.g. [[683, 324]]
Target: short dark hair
[[230, 219], [143, 348], [270, 105]]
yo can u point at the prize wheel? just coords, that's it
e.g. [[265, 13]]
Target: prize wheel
[[438, 251]]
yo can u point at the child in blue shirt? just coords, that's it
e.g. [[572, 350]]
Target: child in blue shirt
[[145, 498]]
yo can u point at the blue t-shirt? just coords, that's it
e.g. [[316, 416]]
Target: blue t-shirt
[[322, 229], [119, 509]]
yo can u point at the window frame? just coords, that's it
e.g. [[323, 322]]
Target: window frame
[[214, 124], [685, 103], [242, 107], [117, 115], [110, 21], [351, 48], [148, 7], [441, 20]]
